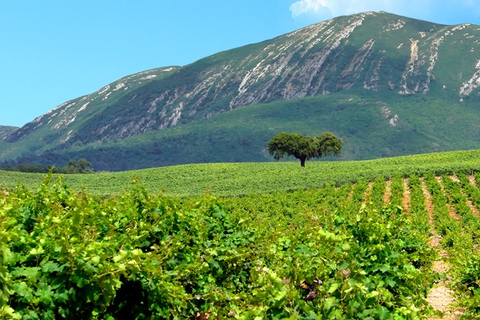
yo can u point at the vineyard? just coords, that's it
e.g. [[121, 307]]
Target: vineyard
[[239, 179], [397, 248]]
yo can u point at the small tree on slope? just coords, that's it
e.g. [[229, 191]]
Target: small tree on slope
[[304, 147]]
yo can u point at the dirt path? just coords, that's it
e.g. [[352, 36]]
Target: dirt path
[[472, 180], [406, 196], [454, 178], [428, 206], [440, 296], [367, 196], [388, 192]]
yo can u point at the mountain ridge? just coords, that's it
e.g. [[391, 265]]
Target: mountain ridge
[[6, 131], [374, 55]]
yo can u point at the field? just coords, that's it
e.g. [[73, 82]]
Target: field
[[235, 179], [385, 239]]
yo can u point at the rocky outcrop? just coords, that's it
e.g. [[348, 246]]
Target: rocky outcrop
[[6, 131]]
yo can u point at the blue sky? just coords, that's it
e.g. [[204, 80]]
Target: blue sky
[[52, 51]]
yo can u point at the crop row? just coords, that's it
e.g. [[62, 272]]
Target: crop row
[[238, 179], [353, 251]]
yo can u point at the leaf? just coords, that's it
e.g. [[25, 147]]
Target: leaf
[[384, 268], [372, 294], [329, 303], [95, 260], [348, 290], [37, 251], [8, 256], [61, 297], [45, 296], [303, 249], [137, 252], [281, 295], [382, 313], [31, 273], [81, 282], [333, 288], [120, 256], [50, 267], [22, 289], [390, 282]]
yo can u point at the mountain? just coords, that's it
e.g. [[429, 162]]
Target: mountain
[[388, 85], [6, 130]]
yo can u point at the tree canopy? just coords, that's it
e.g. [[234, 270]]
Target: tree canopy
[[80, 166], [304, 147]]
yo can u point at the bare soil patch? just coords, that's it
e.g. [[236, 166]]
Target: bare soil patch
[[472, 180], [406, 196], [440, 297], [368, 193], [473, 208], [454, 178], [388, 192], [428, 203]]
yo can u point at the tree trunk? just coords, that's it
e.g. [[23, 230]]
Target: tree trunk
[[302, 161]]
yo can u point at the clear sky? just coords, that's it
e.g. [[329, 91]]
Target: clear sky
[[52, 51]]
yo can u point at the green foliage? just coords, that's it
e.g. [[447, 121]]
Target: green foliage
[[335, 252], [304, 147], [72, 255], [26, 167], [241, 134], [454, 220], [232, 179], [80, 166]]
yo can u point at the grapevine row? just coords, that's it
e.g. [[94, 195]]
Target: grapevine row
[[335, 252]]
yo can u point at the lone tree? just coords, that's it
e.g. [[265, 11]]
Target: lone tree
[[304, 147], [80, 166]]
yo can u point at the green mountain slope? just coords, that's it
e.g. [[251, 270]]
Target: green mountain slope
[[386, 84]]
